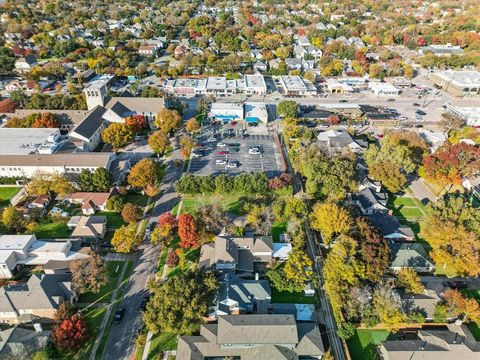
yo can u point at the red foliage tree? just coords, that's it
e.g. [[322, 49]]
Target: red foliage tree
[[7, 106], [421, 41], [167, 219], [450, 164], [187, 230], [137, 122], [71, 334], [333, 119], [172, 258], [280, 181], [46, 120]]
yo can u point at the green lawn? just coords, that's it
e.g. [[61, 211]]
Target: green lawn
[[475, 330], [106, 291], [231, 203], [405, 201], [114, 219], [362, 345], [472, 293], [412, 213], [277, 229], [47, 229], [139, 199], [162, 342], [291, 297], [6, 193]]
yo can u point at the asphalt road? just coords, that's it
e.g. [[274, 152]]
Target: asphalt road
[[120, 343]]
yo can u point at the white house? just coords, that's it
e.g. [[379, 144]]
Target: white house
[[26, 63], [383, 89]]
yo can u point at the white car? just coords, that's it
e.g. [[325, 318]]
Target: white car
[[221, 145], [254, 151], [233, 164], [211, 139], [220, 162]]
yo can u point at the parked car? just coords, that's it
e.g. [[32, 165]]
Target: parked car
[[390, 100], [233, 145], [143, 304], [119, 315], [220, 162], [254, 151], [197, 154], [222, 144], [420, 112], [225, 152], [342, 100], [211, 139], [456, 284], [233, 164], [416, 104]]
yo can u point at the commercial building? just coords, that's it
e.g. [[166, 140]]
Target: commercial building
[[226, 111], [383, 89], [296, 86], [256, 112], [458, 83], [22, 141], [336, 87], [470, 114]]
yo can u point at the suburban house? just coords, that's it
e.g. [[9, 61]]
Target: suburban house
[[26, 63], [21, 343], [88, 228], [370, 200], [37, 300], [259, 66], [91, 201], [253, 337], [239, 296], [391, 228], [281, 251], [333, 141], [40, 202], [423, 304], [148, 49], [449, 342], [410, 255], [301, 51], [240, 254], [17, 251]]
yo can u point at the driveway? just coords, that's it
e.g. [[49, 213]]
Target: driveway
[[120, 343], [422, 192]]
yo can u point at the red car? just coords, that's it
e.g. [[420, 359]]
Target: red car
[[233, 123], [223, 153]]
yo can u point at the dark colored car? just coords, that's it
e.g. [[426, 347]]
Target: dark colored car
[[119, 315], [416, 104], [390, 100], [457, 284], [143, 304], [343, 101], [419, 126], [420, 112]]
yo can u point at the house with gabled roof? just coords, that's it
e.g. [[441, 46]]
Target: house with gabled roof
[[91, 201], [89, 130], [410, 255], [249, 337]]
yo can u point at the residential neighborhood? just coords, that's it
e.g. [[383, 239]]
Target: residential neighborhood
[[239, 180]]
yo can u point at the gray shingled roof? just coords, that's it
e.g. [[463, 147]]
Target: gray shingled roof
[[91, 123], [409, 255]]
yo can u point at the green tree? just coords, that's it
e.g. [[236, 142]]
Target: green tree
[[180, 304], [101, 180], [12, 218], [287, 108], [85, 180], [7, 60], [330, 219], [115, 203], [118, 135]]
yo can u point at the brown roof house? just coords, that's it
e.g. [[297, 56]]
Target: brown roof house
[[91, 201], [240, 254], [89, 228], [252, 337]]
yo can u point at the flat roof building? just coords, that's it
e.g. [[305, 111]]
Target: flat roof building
[[470, 114], [383, 89], [256, 112], [296, 86], [458, 83], [226, 111], [22, 141]]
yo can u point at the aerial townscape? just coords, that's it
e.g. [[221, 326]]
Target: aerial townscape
[[240, 180]]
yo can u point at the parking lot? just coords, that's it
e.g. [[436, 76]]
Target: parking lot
[[237, 151]]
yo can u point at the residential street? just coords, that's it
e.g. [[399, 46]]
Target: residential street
[[120, 344]]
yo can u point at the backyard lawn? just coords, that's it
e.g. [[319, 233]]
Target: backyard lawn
[[6, 193], [406, 208], [106, 291], [47, 229], [475, 330], [291, 297], [114, 219], [139, 199], [162, 342], [362, 345], [277, 229], [231, 203]]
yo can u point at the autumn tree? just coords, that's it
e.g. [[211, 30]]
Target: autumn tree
[[137, 122], [187, 143], [259, 217], [7, 106], [167, 223], [71, 334], [144, 174], [192, 125], [46, 120], [125, 239], [60, 185], [452, 163], [298, 268], [39, 184], [331, 220], [88, 275], [12, 218], [410, 281], [458, 252], [131, 213], [187, 230], [374, 250], [211, 218], [388, 307], [65, 311], [168, 120], [468, 308], [118, 135], [172, 258], [159, 142], [180, 304], [287, 109], [333, 119]]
